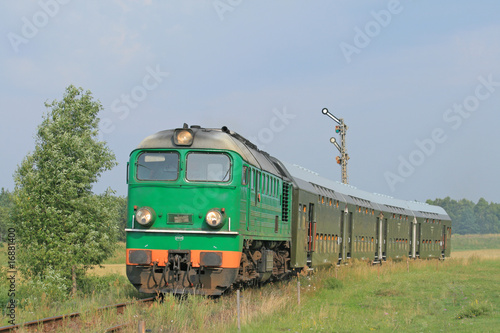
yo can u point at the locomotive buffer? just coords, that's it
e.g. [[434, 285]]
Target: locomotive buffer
[[341, 128]]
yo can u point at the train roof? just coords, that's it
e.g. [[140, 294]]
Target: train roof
[[225, 139], [313, 182], [217, 138]]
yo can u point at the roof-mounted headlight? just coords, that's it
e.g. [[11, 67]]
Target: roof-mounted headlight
[[214, 218], [145, 216], [183, 137]]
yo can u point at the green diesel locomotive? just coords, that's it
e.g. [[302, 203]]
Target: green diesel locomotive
[[207, 210]]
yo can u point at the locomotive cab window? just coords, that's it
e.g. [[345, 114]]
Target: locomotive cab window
[[158, 166], [208, 167]]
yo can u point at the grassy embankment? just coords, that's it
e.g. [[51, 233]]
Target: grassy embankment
[[484, 246], [459, 294]]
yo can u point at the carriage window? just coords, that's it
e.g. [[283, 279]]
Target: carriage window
[[158, 166], [208, 167]]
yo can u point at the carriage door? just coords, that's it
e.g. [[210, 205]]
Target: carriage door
[[413, 238], [384, 241], [311, 233], [345, 234], [341, 239], [349, 236], [379, 238], [443, 241], [418, 236]]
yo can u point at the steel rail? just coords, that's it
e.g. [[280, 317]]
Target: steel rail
[[57, 320]]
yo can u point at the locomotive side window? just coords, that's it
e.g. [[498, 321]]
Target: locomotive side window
[[158, 166], [208, 167], [244, 176]]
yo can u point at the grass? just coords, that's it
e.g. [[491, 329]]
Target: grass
[[34, 301], [475, 242], [459, 294], [425, 296], [485, 254], [456, 295]]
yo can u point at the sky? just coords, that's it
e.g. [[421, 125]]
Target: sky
[[416, 82]]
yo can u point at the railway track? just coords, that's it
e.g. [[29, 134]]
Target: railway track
[[52, 323]]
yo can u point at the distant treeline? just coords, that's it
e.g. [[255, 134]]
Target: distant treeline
[[470, 218]]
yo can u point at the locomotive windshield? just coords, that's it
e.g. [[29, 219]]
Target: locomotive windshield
[[158, 166], [208, 167]]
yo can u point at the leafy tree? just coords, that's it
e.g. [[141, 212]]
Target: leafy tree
[[61, 224], [121, 222], [5, 208]]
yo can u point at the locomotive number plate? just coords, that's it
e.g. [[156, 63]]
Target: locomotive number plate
[[180, 218]]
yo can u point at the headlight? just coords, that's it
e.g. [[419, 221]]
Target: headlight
[[183, 137], [145, 216], [214, 218]]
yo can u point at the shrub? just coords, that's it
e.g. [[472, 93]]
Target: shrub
[[473, 310], [333, 283], [51, 288]]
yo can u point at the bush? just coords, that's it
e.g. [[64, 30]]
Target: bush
[[333, 283], [51, 288], [473, 310], [92, 284]]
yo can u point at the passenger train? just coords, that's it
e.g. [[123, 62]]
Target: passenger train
[[208, 210]]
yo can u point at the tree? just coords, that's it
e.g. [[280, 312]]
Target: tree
[[470, 218], [122, 218], [61, 224], [121, 221], [5, 208]]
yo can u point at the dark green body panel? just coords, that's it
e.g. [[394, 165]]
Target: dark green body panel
[[328, 229], [252, 212], [261, 209]]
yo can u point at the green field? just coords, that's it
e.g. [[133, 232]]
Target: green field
[[475, 242], [457, 295]]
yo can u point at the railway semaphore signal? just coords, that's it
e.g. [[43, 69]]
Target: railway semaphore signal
[[341, 129]]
